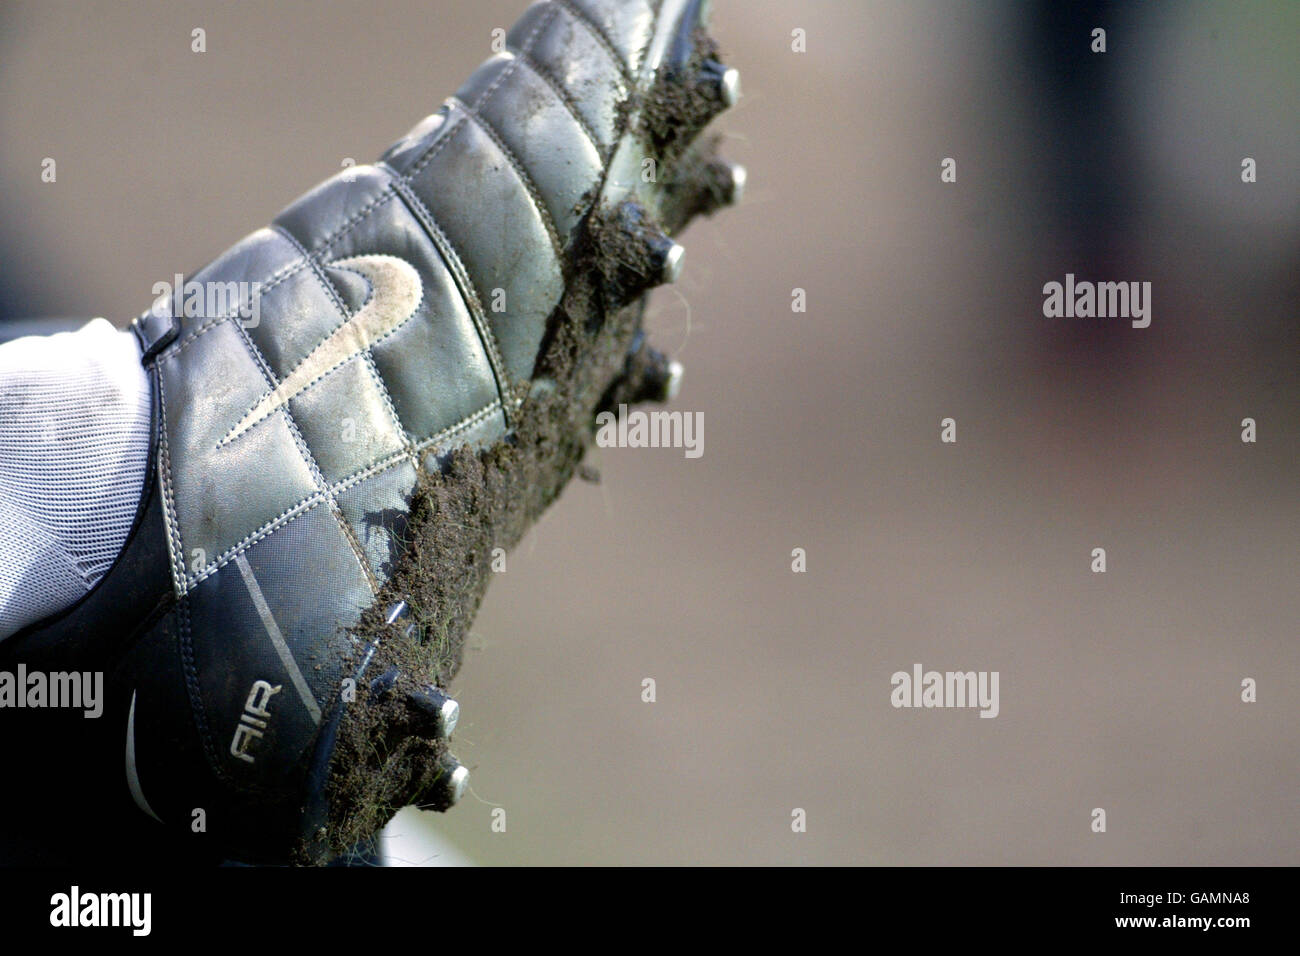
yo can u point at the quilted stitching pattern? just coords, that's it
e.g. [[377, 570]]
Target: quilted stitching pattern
[[479, 199]]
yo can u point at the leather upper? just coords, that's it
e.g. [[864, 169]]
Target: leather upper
[[286, 454]]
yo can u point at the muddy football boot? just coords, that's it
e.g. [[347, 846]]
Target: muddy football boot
[[404, 371]]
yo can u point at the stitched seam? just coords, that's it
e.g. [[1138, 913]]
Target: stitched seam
[[447, 134], [402, 431], [318, 271], [180, 578], [510, 68], [317, 475], [497, 80], [185, 640], [460, 275], [534, 194], [450, 255], [295, 511], [624, 128], [312, 500], [440, 143], [463, 425], [429, 155], [169, 498], [310, 459], [354, 543], [367, 355], [329, 241], [282, 274], [265, 367], [316, 497], [197, 707], [543, 74], [468, 291], [598, 33], [227, 440]]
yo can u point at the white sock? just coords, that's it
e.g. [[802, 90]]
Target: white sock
[[74, 444]]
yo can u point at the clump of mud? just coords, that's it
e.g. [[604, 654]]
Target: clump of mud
[[679, 105], [482, 499], [593, 358], [700, 185]]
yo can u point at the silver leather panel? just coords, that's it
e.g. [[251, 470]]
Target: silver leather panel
[[537, 126], [626, 27], [550, 40], [289, 524], [502, 232]]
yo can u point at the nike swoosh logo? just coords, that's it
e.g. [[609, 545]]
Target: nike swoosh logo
[[132, 776], [395, 293]]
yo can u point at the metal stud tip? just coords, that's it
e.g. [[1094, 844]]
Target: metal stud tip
[[739, 176], [674, 383], [433, 713], [457, 784], [725, 79], [450, 714], [731, 86], [673, 258]]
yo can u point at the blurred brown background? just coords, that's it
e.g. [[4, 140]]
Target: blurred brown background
[[1118, 691]]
